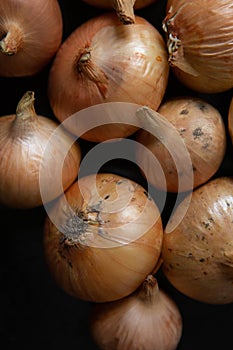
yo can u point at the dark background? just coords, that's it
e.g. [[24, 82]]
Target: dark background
[[34, 312]]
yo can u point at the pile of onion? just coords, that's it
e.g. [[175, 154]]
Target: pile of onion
[[198, 252], [200, 127], [105, 61], [26, 150], [30, 35], [200, 44], [123, 8], [102, 238], [147, 319]]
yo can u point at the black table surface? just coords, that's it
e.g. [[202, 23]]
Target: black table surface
[[34, 312]]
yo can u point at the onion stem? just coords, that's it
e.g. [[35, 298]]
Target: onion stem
[[25, 109], [149, 290], [125, 10]]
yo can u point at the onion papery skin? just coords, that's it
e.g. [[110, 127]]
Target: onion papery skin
[[198, 253], [200, 43], [126, 64], [23, 143], [95, 265], [230, 119], [147, 319], [202, 129], [38, 28]]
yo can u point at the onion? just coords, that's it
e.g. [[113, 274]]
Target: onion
[[124, 8], [24, 153], [201, 128], [147, 319], [30, 35], [103, 238], [198, 253], [230, 119], [105, 61], [200, 43]]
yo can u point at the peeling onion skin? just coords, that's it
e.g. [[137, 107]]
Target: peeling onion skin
[[23, 140], [30, 35], [198, 254], [230, 120], [106, 61], [200, 43], [147, 319], [202, 129], [84, 258]]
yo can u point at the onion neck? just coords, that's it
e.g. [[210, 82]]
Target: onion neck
[[84, 65], [12, 41], [149, 291], [125, 10], [25, 111]]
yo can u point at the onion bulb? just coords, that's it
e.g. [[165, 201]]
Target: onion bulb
[[123, 8], [103, 238], [105, 61], [230, 119], [198, 253], [202, 129], [147, 319], [30, 35], [200, 44], [24, 138]]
